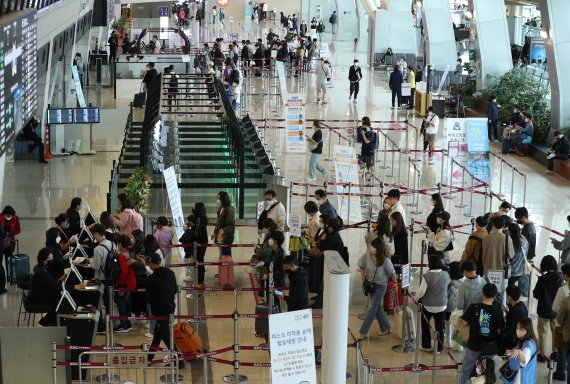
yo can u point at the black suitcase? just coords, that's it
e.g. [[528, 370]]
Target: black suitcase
[[140, 100], [262, 323], [505, 145]]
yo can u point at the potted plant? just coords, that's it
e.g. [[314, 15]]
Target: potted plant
[[138, 190]]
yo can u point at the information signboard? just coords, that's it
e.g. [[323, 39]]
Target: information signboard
[[295, 123]]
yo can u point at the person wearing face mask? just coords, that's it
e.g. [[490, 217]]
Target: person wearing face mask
[[474, 247], [392, 203], [431, 123], [400, 234], [316, 262], [395, 83], [275, 209], [59, 260], [10, 222], [560, 150], [437, 204], [383, 232], [485, 371], [441, 242], [354, 76], [129, 219], [523, 358], [503, 211], [44, 289], [517, 312], [528, 231], [323, 78], [375, 266], [62, 225], [164, 236], [298, 297], [325, 206], [563, 245], [493, 118], [73, 217], [196, 231]]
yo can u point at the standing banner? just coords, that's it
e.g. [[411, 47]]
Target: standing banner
[[456, 136], [295, 225], [292, 348], [175, 203], [478, 145], [295, 123], [346, 171]]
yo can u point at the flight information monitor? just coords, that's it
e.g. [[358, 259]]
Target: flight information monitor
[[86, 115], [60, 116], [18, 72]]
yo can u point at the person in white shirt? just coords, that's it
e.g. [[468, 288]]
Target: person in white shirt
[[432, 126], [392, 204], [275, 209]]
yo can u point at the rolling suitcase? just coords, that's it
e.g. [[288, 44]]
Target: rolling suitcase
[[19, 264], [187, 339], [226, 272], [505, 145], [140, 99], [255, 285], [262, 323]]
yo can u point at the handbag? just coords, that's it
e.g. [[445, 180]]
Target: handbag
[[368, 286], [312, 145], [508, 372]]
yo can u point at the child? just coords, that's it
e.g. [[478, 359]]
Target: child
[[485, 370], [456, 275]]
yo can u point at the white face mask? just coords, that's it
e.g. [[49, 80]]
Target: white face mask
[[65, 225], [521, 333], [271, 242], [57, 239], [8, 218], [387, 206]]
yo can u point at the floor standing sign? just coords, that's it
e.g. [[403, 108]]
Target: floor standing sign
[[295, 123], [175, 202], [456, 135], [346, 172], [478, 146], [292, 348]]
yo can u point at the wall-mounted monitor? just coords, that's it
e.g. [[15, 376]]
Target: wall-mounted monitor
[[60, 116], [86, 115]]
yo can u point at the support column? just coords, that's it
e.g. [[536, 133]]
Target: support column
[[491, 37], [440, 37], [395, 28], [555, 23], [515, 24]]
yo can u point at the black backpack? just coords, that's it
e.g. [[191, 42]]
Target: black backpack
[[264, 214], [112, 267]]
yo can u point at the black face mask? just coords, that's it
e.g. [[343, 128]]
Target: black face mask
[[49, 263]]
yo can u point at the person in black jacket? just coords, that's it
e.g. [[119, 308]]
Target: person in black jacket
[[517, 311], [560, 150], [73, 216], [30, 134], [44, 289], [545, 290], [493, 117], [161, 291], [172, 87], [196, 231], [437, 204], [56, 267], [354, 76], [396, 80], [149, 76], [400, 234], [298, 297]]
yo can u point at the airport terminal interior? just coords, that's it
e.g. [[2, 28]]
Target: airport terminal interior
[[119, 116]]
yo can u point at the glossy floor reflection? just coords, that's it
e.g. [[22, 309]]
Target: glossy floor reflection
[[39, 193]]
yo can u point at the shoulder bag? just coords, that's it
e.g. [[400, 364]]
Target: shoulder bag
[[508, 372], [368, 286]]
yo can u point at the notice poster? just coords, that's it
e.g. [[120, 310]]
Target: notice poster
[[295, 124], [479, 163], [346, 171], [175, 202], [295, 225], [292, 348], [537, 50], [456, 136]]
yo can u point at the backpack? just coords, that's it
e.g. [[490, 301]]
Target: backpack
[[331, 19], [234, 76], [264, 214], [112, 266]]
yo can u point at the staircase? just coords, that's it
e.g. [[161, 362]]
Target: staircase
[[205, 150]]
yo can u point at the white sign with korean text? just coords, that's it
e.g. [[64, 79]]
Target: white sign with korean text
[[175, 202], [295, 225], [496, 277], [346, 172], [295, 123], [292, 348], [406, 274]]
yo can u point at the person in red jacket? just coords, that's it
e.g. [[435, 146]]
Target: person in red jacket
[[11, 224], [127, 279]]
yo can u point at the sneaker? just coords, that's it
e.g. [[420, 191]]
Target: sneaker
[[355, 101], [399, 108], [428, 350], [318, 100], [392, 108], [325, 174], [147, 324], [551, 156], [431, 162], [549, 172], [149, 335], [100, 331], [123, 329], [324, 102], [188, 278], [311, 179], [362, 336], [384, 333]]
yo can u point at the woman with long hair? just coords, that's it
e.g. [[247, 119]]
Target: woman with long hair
[[376, 267], [400, 234], [523, 358], [441, 242], [437, 204], [196, 231], [73, 216], [520, 246], [383, 232], [129, 219]]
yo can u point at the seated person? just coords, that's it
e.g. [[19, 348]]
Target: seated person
[[522, 135], [560, 150], [516, 119], [44, 289], [29, 132]]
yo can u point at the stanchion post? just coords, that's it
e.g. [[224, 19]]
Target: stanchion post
[[399, 163], [512, 185], [528, 294], [470, 214], [349, 200], [442, 170], [196, 266], [54, 361], [486, 195], [524, 191], [461, 204], [306, 199], [179, 300], [357, 349], [384, 166], [501, 178], [435, 345]]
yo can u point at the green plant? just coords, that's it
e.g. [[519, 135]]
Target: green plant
[[516, 87], [119, 24], [469, 87], [138, 190]]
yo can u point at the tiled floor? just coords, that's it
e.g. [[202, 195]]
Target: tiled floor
[[39, 193]]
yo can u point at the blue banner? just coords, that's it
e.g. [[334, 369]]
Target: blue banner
[[479, 163]]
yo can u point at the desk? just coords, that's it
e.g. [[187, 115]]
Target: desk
[[91, 295]]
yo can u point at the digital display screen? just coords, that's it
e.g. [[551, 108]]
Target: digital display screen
[[86, 115], [18, 72], [60, 116]]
